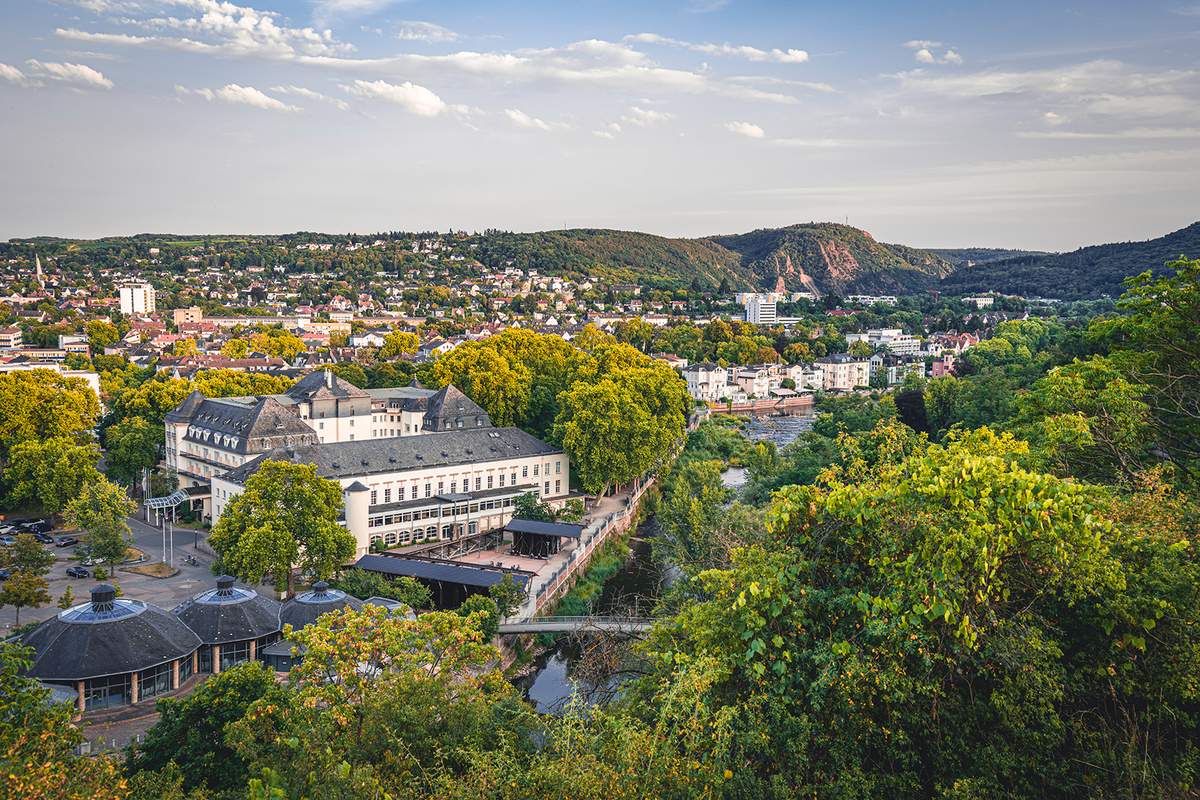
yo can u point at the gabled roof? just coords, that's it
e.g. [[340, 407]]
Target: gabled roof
[[449, 404], [324, 385], [257, 425]]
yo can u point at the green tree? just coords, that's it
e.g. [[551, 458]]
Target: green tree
[[24, 589], [27, 555], [398, 343], [507, 596], [101, 509], [190, 732], [131, 445], [36, 405], [184, 347], [235, 348], [362, 584], [37, 742], [487, 377], [286, 516], [51, 472], [349, 371], [483, 612], [101, 334]]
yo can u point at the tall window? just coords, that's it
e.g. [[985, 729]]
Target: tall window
[[387, 495]]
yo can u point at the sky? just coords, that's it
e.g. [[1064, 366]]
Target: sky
[[1039, 125]]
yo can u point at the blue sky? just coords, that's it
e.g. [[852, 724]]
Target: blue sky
[[1016, 124]]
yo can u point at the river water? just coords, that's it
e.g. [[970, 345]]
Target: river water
[[633, 590]]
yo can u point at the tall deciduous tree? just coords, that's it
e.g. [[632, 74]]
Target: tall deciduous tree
[[51, 472], [398, 343], [101, 509], [37, 742], [286, 516], [131, 446], [36, 405]]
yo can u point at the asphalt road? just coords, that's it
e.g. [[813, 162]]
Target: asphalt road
[[163, 592]]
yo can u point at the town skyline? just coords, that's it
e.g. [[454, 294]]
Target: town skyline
[[1076, 126]]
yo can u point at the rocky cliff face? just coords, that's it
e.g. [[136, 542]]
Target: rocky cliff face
[[827, 258]]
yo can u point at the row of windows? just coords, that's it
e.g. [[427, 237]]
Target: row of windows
[[492, 481], [419, 535], [401, 518]]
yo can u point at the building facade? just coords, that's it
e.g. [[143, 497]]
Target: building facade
[[137, 298], [438, 486]]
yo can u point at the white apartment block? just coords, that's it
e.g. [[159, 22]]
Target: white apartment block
[[137, 298], [761, 309], [872, 299], [842, 372], [895, 340]]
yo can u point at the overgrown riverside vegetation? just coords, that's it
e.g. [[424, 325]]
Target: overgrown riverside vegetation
[[983, 587]]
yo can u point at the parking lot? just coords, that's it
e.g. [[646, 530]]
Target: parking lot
[[163, 592]]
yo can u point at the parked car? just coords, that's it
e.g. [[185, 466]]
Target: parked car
[[8, 539], [7, 528], [4, 574], [38, 526], [77, 572], [65, 541], [44, 538]]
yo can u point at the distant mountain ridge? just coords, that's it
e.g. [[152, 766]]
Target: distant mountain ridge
[[819, 257], [1088, 272]]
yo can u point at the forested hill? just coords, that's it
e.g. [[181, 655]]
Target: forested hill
[[818, 257], [825, 257], [968, 256], [615, 256], [1085, 273]]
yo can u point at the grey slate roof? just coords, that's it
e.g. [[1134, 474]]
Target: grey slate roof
[[107, 636], [304, 608], [257, 424], [372, 456], [450, 572], [448, 406], [323, 385], [566, 529], [230, 613]]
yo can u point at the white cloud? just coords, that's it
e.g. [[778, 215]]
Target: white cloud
[[417, 31], [775, 55], [13, 75], [770, 80], [646, 117], [74, 74], [219, 27], [523, 120], [923, 52], [1053, 118], [300, 91], [747, 129], [409, 96], [240, 95], [39, 72], [1130, 133]]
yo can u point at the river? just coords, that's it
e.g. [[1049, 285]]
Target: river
[[634, 589]]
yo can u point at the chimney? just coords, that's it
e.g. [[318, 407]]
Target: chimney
[[329, 378]]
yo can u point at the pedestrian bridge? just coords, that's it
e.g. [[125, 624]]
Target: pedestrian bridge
[[626, 625]]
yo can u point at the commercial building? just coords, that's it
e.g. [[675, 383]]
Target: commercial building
[[761, 309], [137, 298], [440, 485], [208, 436]]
